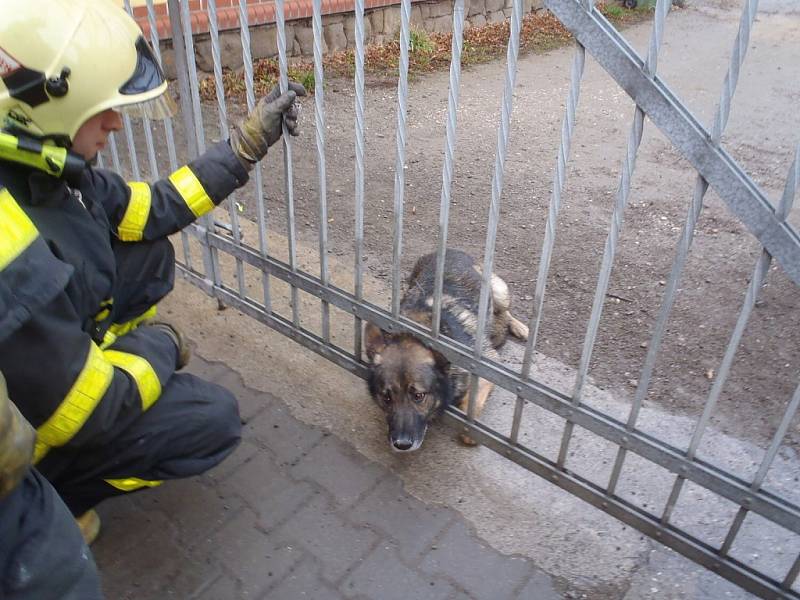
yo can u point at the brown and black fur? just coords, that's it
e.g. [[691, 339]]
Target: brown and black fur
[[414, 384]]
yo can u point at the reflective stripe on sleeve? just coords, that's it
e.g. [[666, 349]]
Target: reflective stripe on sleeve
[[192, 191], [142, 373], [130, 484], [17, 231], [78, 405], [131, 228]]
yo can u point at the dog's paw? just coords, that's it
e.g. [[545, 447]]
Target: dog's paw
[[466, 440]]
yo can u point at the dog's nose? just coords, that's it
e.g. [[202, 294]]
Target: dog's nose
[[402, 444]]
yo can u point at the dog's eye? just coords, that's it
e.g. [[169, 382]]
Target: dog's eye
[[419, 396]]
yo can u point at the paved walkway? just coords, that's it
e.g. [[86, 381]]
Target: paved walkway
[[297, 513]]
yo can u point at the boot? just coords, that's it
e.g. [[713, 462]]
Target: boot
[[89, 524], [184, 353]]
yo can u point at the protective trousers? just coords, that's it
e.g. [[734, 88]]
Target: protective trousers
[[191, 427], [42, 553]]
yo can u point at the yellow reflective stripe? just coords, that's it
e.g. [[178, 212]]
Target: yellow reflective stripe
[[142, 373], [192, 191], [120, 329], [78, 405], [131, 228], [130, 484], [17, 231]]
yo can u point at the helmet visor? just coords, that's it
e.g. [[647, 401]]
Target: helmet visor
[[147, 75], [156, 109]]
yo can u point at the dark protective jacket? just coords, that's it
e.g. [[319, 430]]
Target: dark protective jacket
[[77, 385]]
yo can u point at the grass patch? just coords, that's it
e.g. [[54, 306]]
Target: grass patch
[[428, 52]]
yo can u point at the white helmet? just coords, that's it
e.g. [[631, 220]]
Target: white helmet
[[64, 61]]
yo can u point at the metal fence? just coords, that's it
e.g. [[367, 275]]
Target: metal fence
[[700, 145]]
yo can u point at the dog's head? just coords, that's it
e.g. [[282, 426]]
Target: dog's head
[[409, 382]]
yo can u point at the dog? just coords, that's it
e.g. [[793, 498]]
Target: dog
[[413, 384]]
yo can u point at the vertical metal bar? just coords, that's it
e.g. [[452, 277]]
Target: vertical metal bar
[[134, 159], [683, 246], [287, 156], [210, 260], [448, 167], [610, 250], [400, 161], [319, 120], [359, 182], [222, 111], [114, 153], [559, 179], [497, 192], [782, 212], [261, 213], [791, 576], [168, 132]]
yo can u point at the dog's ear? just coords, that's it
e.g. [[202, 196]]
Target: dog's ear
[[441, 362], [375, 342]]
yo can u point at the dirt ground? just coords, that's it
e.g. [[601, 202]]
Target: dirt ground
[[761, 135]]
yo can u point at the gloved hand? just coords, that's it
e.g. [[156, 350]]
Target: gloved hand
[[264, 126], [184, 353], [16, 442]]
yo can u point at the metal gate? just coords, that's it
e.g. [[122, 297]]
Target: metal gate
[[700, 145]]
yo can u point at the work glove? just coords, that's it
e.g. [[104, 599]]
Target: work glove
[[264, 125], [16, 442], [184, 353]]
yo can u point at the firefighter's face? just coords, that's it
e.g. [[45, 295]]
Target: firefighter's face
[[92, 136]]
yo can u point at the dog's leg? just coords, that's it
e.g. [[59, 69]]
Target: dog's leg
[[502, 303], [484, 389]]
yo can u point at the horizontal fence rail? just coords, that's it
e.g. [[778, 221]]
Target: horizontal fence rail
[[223, 236]]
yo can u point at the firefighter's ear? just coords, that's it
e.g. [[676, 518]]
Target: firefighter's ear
[[375, 340]]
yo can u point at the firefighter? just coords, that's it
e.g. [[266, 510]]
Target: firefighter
[[42, 552], [90, 368]]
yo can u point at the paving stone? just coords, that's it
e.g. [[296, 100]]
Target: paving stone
[[125, 526], [141, 573], [412, 524], [245, 451], [303, 582], [251, 402], [337, 545], [193, 507], [481, 571], [266, 490], [342, 471], [539, 587], [282, 434], [257, 559], [223, 588], [382, 575]]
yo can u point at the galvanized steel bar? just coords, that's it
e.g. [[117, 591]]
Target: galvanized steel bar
[[791, 576], [559, 178], [112, 143], [261, 213], [288, 166], [359, 125], [673, 459], [682, 251], [193, 119], [738, 54], [132, 155], [610, 250], [319, 129], [497, 191], [400, 160], [222, 112], [448, 167], [744, 198], [785, 205]]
